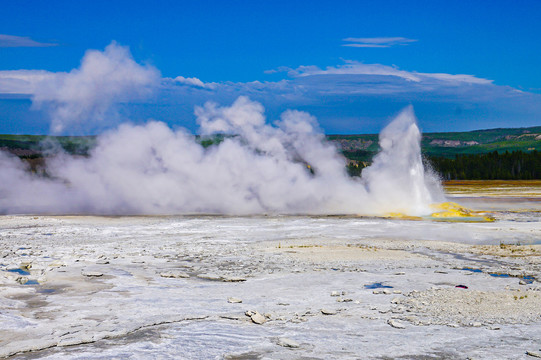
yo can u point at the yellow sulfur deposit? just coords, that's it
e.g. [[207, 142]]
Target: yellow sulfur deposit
[[447, 211], [403, 216], [452, 211]]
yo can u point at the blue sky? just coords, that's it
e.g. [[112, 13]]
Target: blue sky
[[353, 64]]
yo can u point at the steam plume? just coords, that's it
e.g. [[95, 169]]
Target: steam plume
[[285, 168], [85, 96]]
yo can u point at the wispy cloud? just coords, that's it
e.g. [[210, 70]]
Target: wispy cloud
[[23, 82], [377, 42], [357, 68], [193, 81], [21, 41]]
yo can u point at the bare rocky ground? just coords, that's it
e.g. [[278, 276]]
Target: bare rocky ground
[[269, 288]]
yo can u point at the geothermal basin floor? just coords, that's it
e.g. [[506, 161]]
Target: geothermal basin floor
[[269, 287]]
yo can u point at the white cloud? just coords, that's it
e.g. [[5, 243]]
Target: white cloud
[[23, 81], [357, 97], [366, 45], [377, 42], [456, 78], [193, 81], [84, 96], [21, 41], [357, 68]]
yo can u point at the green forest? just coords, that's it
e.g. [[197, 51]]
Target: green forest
[[516, 165]]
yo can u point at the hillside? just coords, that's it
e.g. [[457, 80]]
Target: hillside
[[510, 154], [451, 153], [33, 146], [449, 144]]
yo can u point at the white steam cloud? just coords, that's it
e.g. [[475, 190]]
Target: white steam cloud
[[85, 96], [259, 168], [285, 168]]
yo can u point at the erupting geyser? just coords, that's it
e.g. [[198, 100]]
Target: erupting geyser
[[397, 174], [151, 169]]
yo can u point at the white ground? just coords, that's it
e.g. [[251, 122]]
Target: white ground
[[286, 268]]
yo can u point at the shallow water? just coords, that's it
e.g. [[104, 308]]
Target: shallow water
[[497, 195]]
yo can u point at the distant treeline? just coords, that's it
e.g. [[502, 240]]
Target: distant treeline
[[516, 165], [509, 165]]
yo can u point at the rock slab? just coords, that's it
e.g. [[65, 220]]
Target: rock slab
[[285, 342], [396, 324], [257, 318]]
